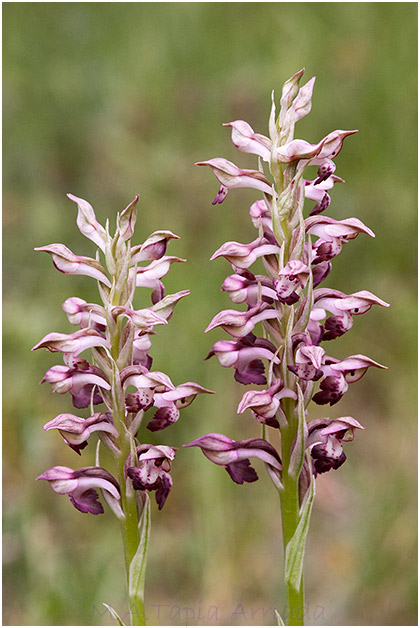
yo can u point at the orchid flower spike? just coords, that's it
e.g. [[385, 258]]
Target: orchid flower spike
[[115, 373], [287, 315]]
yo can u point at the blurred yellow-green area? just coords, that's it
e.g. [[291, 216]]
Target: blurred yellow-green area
[[107, 100]]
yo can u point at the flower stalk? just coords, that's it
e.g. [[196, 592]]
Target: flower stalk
[[119, 339], [296, 318]]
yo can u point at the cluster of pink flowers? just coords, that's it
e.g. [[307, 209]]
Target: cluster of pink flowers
[[119, 377], [297, 317]]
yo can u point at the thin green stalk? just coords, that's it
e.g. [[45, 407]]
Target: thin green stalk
[[290, 514], [131, 539], [130, 531]]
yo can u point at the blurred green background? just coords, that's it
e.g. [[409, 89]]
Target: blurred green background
[[106, 100]]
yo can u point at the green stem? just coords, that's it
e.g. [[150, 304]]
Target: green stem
[[131, 539], [290, 514], [130, 531]]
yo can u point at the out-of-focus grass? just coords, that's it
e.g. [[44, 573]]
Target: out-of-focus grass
[[105, 100]]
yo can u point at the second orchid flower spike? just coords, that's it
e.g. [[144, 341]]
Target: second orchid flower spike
[[277, 341]]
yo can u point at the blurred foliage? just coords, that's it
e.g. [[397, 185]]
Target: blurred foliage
[[106, 100]]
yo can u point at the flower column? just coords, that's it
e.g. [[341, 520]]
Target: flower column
[[119, 338], [293, 314]]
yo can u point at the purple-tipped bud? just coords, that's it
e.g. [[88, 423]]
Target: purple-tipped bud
[[165, 307], [153, 248], [297, 150], [328, 229], [244, 138], [240, 324], [332, 144], [72, 343], [126, 221], [144, 319], [230, 176], [71, 264], [243, 255], [290, 90], [302, 104], [87, 223]]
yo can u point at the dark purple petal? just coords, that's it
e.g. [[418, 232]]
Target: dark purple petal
[[158, 292], [241, 472], [290, 299], [163, 418], [163, 490], [321, 206], [285, 288], [320, 271], [306, 371], [87, 502], [142, 400], [324, 171], [144, 477], [221, 195], [336, 326], [332, 390], [324, 460], [324, 251], [142, 358], [270, 421], [81, 398], [252, 373], [77, 448]]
